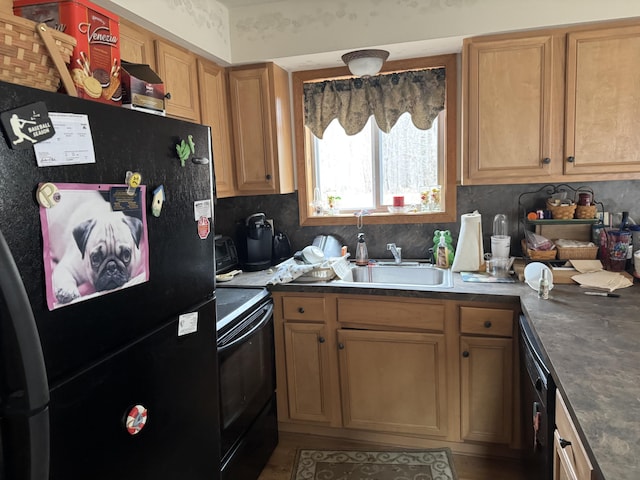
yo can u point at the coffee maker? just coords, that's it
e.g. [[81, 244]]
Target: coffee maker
[[255, 237]]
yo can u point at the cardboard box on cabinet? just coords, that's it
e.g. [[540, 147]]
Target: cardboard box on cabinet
[[142, 88]]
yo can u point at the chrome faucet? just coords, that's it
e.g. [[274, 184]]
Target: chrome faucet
[[396, 251]]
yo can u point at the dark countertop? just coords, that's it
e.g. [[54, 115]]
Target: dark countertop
[[590, 343]]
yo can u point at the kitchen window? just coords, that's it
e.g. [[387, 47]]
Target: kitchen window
[[362, 172]]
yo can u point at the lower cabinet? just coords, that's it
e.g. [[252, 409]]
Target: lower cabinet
[[393, 381], [407, 370], [487, 374], [486, 389], [570, 460], [308, 371]]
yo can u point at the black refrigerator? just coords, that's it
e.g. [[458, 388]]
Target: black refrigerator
[[124, 383]]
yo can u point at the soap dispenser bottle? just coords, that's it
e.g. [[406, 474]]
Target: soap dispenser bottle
[[362, 256], [442, 253]]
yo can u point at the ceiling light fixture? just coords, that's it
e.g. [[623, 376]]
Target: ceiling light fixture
[[365, 63]]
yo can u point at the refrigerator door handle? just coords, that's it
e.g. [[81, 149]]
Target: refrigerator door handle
[[35, 386]]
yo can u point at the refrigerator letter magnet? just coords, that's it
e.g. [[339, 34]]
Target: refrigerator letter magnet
[[27, 125]]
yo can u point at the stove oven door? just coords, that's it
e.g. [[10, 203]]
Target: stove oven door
[[247, 379]]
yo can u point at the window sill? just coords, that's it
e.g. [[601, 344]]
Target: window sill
[[378, 219]]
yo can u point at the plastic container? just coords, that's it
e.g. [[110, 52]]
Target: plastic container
[[500, 225]]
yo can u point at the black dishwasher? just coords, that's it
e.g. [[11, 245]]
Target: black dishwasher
[[538, 406]]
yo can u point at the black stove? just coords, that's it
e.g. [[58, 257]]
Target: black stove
[[233, 303], [246, 359]]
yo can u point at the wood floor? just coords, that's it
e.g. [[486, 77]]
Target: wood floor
[[467, 467]]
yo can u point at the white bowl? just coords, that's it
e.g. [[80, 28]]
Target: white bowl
[[533, 272]]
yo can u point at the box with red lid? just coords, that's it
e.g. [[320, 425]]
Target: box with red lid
[[95, 63]]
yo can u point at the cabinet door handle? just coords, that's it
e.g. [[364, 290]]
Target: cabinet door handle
[[300, 309], [546, 160], [268, 176], [321, 339], [564, 443], [487, 324], [465, 354], [341, 346], [571, 159]]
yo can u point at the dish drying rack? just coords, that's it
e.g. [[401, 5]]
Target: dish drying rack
[[328, 270]]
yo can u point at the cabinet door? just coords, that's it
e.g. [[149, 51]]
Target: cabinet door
[[562, 469], [570, 458], [510, 107], [486, 389], [215, 113], [136, 44], [603, 101], [308, 372], [178, 70], [253, 137], [393, 381]]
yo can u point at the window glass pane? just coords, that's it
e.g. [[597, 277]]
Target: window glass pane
[[409, 160], [344, 166], [375, 165]]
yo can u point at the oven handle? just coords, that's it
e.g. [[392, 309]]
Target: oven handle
[[266, 317]]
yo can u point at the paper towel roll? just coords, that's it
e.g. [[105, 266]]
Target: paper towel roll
[[470, 251]]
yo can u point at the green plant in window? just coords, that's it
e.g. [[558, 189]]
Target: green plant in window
[[332, 200]]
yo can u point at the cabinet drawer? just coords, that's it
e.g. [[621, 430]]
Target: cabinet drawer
[[574, 454], [486, 321], [398, 312], [303, 308]]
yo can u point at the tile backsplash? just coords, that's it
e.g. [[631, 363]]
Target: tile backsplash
[[416, 239]]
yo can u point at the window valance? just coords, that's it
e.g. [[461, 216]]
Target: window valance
[[352, 101]]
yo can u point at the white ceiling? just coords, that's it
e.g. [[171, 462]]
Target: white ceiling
[[397, 51]]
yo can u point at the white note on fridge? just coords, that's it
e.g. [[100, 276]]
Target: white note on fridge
[[72, 143]]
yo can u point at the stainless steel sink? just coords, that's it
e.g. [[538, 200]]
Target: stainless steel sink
[[425, 275]]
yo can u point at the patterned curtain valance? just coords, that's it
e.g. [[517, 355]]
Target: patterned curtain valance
[[352, 101]]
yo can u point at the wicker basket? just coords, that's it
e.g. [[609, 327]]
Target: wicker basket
[[577, 253], [537, 254], [561, 212], [26, 59], [586, 212]]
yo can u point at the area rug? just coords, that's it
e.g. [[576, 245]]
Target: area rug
[[432, 464]]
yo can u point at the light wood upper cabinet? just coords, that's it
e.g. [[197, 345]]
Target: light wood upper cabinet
[[136, 44], [261, 115], [603, 101], [510, 106], [214, 111], [393, 381], [554, 105], [178, 69]]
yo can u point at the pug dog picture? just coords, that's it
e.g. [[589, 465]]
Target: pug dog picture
[[90, 249]]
